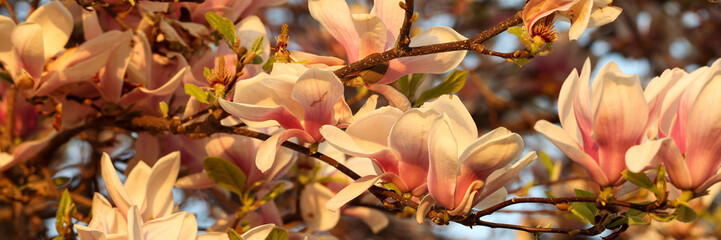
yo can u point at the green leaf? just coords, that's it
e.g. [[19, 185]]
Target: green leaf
[[66, 208], [685, 214], [585, 210], [232, 235], [269, 64], [521, 61], [6, 77], [277, 234], [617, 223], [59, 181], [257, 60], [277, 190], [224, 26], [196, 92], [257, 47], [639, 179], [206, 72], [224, 174], [662, 217], [452, 84], [635, 217], [58, 237], [164, 108], [517, 30]]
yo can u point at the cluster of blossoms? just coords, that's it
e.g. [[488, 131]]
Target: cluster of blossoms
[[182, 60], [613, 124]]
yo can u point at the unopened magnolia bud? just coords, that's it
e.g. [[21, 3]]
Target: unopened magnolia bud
[[563, 207]]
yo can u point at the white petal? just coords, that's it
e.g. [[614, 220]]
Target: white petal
[[160, 185], [112, 184], [352, 191], [371, 34], [313, 200], [57, 24], [494, 198], [375, 219], [424, 207]]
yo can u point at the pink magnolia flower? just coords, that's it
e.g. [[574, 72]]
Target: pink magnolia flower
[[143, 205], [25, 48], [465, 169], [688, 127], [581, 13], [365, 34], [599, 124], [298, 99], [231, 9]]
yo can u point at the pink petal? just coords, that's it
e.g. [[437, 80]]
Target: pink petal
[[265, 157], [580, 15], [703, 153], [136, 184], [313, 200], [603, 16], [281, 114], [248, 30], [91, 25], [135, 224], [643, 156], [492, 151], [312, 60], [112, 184], [537, 9], [431, 63], [168, 88], [160, 185], [678, 170], [708, 184], [443, 158], [424, 207], [463, 204], [568, 146], [655, 94], [566, 98], [409, 138], [317, 91], [112, 76], [6, 46], [392, 15], [27, 40], [259, 232], [352, 191], [670, 106], [358, 147], [395, 98], [335, 16], [620, 114], [190, 228], [371, 34], [501, 177], [25, 151], [88, 233], [461, 120], [374, 219], [381, 121], [370, 105], [492, 199], [57, 24], [582, 111], [164, 227]]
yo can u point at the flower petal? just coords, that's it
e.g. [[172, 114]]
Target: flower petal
[[431, 63], [352, 191], [57, 24], [580, 15], [91, 25], [409, 138], [501, 177], [643, 156], [112, 184], [112, 76], [603, 16], [361, 147], [678, 170], [259, 232], [392, 16], [537, 9], [395, 98], [375, 219], [703, 153], [195, 181], [655, 94], [461, 120], [463, 205], [27, 41], [265, 157], [135, 224], [335, 16], [317, 91], [255, 113], [443, 159], [313, 200], [160, 185], [492, 199], [566, 114], [371, 34], [312, 60], [568, 146], [424, 207], [165, 227], [136, 184], [492, 151]]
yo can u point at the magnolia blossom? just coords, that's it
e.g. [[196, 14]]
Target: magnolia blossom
[[298, 99], [365, 34], [466, 169], [143, 205], [688, 127], [599, 124], [25, 48], [231, 9], [398, 145], [581, 13]]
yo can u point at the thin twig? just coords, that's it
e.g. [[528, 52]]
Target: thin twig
[[11, 11], [404, 38]]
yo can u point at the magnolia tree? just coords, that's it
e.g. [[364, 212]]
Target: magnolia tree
[[213, 119]]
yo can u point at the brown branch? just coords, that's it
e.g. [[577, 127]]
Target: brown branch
[[404, 38], [468, 44], [11, 11], [481, 49]]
